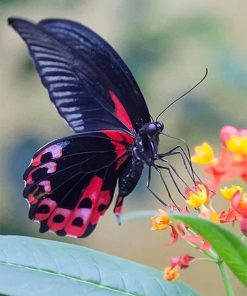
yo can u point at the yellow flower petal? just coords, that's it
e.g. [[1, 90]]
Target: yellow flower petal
[[161, 221], [204, 154], [228, 192], [198, 198], [214, 217], [237, 144]]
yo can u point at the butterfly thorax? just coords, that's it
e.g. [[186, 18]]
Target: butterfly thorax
[[146, 142]]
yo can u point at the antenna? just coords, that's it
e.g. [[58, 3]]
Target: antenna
[[179, 98]]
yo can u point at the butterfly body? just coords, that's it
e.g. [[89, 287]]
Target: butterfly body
[[70, 182]]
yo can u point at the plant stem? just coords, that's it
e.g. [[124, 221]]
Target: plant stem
[[206, 259], [225, 277]]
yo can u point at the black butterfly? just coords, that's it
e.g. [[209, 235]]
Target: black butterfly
[[70, 182]]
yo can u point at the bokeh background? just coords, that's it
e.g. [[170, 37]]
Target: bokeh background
[[167, 45]]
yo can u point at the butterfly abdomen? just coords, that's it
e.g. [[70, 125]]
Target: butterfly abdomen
[[128, 178]]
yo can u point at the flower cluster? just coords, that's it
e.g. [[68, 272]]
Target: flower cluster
[[230, 164], [232, 160], [171, 273]]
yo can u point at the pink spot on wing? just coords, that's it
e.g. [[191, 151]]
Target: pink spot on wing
[[55, 150], [48, 202], [46, 184], [51, 168], [120, 111]]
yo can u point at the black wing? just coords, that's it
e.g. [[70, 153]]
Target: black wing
[[70, 182], [86, 79]]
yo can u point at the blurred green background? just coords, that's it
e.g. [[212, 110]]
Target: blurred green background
[[167, 45]]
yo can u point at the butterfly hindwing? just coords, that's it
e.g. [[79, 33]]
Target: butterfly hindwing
[[87, 81], [70, 182]]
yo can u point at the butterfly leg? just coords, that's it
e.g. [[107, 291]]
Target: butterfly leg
[[148, 187], [164, 183], [178, 150], [173, 179]]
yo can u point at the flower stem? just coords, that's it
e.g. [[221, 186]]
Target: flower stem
[[225, 277], [205, 259]]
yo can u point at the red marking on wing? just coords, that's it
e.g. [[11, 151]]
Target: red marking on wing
[[104, 200], [64, 215], [118, 206], [91, 205], [85, 215], [120, 140], [32, 199], [50, 206], [120, 111], [55, 150], [51, 168]]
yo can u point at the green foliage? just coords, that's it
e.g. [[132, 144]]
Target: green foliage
[[31, 266], [228, 246]]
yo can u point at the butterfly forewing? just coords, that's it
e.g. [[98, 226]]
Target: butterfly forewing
[[87, 81], [70, 182]]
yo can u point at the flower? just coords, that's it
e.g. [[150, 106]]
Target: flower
[[227, 216], [243, 226], [171, 273], [232, 160], [239, 203], [226, 168], [231, 163], [228, 192], [160, 221], [204, 154], [213, 216], [235, 140], [197, 196], [182, 261]]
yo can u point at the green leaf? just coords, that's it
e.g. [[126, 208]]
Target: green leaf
[[227, 245], [31, 266]]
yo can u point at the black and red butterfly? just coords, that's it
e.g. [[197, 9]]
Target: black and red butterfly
[[70, 182]]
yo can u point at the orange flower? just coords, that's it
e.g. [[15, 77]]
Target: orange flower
[[160, 221], [227, 216], [232, 161], [172, 273], [227, 168]]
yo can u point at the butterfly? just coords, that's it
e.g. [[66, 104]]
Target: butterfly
[[70, 182]]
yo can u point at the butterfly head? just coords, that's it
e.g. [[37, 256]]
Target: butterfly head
[[152, 128]]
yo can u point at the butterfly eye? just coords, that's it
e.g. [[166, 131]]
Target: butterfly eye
[[160, 126]]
